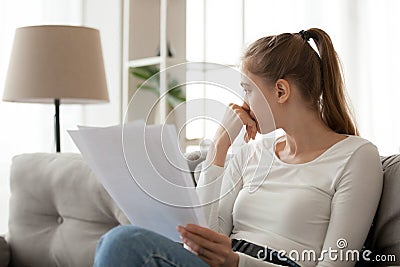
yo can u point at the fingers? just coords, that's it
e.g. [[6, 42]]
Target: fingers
[[251, 133], [235, 117], [243, 115], [243, 112], [214, 248], [200, 246], [206, 233], [205, 254], [246, 137], [245, 106]]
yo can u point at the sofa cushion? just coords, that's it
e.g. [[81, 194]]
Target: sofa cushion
[[58, 211], [4, 252]]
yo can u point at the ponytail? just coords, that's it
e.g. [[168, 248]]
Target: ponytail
[[335, 111], [317, 75]]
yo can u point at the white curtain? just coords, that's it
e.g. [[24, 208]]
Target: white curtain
[[29, 127], [364, 33]]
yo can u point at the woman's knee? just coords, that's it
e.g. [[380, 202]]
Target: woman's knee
[[123, 236], [122, 231], [120, 246]]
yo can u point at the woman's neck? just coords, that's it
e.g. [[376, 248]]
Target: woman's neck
[[306, 139]]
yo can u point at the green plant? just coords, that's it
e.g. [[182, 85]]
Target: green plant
[[175, 94]]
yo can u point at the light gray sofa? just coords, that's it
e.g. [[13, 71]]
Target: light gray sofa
[[58, 211]]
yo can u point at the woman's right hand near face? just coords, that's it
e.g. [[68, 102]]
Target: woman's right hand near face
[[235, 117]]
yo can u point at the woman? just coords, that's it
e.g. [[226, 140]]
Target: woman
[[315, 201]]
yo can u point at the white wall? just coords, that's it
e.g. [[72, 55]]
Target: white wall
[[104, 15]]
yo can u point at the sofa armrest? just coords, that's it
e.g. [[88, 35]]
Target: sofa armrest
[[4, 252]]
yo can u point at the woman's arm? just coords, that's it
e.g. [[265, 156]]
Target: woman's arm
[[217, 188], [353, 206]]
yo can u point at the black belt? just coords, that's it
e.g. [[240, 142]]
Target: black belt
[[262, 253]]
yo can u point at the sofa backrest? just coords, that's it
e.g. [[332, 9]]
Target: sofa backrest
[[384, 237], [58, 211]]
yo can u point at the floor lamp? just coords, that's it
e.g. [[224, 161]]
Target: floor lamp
[[56, 64]]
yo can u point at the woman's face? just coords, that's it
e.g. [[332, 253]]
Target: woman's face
[[259, 96]]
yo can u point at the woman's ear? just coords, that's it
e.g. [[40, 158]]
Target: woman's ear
[[283, 90]]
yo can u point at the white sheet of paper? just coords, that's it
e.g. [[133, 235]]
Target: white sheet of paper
[[143, 171]]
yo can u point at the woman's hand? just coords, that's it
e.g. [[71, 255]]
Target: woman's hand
[[234, 119], [214, 248]]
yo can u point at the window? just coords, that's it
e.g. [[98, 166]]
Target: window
[[363, 33]]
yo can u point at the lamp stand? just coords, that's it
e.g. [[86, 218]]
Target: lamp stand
[[57, 125]]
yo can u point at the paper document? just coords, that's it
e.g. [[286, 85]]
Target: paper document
[[145, 173]]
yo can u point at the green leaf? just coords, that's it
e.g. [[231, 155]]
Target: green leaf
[[149, 88], [175, 96], [173, 102], [176, 92], [139, 73], [180, 98], [144, 72], [173, 84]]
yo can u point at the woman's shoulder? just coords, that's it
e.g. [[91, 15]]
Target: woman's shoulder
[[363, 163], [363, 147], [354, 143], [347, 148], [358, 139]]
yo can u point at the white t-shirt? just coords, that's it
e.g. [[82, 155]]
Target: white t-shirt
[[325, 204]]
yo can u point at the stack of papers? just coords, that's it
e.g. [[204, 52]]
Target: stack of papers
[[146, 174]]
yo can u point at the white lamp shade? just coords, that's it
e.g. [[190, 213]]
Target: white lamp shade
[[56, 62]]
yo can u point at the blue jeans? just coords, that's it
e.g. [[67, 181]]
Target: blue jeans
[[134, 246]]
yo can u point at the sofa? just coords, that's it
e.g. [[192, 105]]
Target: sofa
[[59, 210]]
